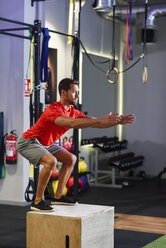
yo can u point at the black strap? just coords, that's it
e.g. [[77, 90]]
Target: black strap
[[88, 56], [142, 56], [30, 191], [145, 36], [113, 36]]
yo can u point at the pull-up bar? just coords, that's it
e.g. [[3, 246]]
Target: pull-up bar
[[12, 29], [16, 22], [15, 35], [5, 31]]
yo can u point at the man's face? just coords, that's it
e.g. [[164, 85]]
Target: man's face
[[71, 96]]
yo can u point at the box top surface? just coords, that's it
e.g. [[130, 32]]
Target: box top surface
[[76, 211]]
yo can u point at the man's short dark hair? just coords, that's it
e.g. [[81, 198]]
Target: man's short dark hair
[[65, 84]]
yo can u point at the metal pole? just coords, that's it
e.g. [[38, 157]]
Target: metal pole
[[76, 77], [37, 35]]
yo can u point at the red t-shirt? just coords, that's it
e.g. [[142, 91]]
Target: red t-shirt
[[45, 130]]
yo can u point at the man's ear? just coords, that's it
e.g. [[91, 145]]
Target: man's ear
[[63, 92]]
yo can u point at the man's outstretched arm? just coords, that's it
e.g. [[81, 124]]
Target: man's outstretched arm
[[105, 122]]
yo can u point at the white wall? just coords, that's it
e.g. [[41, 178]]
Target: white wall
[[148, 135], [96, 35], [11, 71], [55, 19]]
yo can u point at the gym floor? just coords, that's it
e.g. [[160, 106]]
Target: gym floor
[[144, 198]]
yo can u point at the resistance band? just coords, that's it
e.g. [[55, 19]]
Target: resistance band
[[113, 68], [130, 30], [31, 37], [128, 47], [44, 56], [145, 73], [70, 23], [31, 72]]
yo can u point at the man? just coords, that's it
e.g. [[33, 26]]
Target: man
[[37, 144]]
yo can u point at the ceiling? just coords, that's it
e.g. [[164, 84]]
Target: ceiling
[[141, 2]]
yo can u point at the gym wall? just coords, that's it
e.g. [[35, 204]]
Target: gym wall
[[148, 135], [11, 95]]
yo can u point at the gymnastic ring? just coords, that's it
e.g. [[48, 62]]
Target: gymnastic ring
[[117, 75], [145, 75]]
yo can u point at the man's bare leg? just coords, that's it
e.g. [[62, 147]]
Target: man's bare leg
[[49, 162], [68, 159]]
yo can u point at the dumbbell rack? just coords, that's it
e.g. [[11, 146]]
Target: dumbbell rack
[[98, 171], [121, 162]]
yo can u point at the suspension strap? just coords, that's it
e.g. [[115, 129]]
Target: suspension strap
[[113, 68], [113, 37], [44, 56]]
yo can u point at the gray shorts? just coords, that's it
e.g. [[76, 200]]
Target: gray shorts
[[33, 150]]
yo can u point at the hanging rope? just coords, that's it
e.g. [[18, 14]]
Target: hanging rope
[[145, 73], [93, 63], [113, 68], [88, 56], [140, 57]]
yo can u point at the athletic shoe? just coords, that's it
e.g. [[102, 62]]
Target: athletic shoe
[[64, 200], [42, 206]]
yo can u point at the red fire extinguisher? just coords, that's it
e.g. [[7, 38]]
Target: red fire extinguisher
[[10, 147]]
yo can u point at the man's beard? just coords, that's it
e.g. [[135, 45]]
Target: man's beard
[[75, 102]]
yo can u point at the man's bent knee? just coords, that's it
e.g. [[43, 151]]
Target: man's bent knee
[[48, 160], [72, 159]]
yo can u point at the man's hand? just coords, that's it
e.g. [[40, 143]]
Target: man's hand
[[110, 120], [126, 119]]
